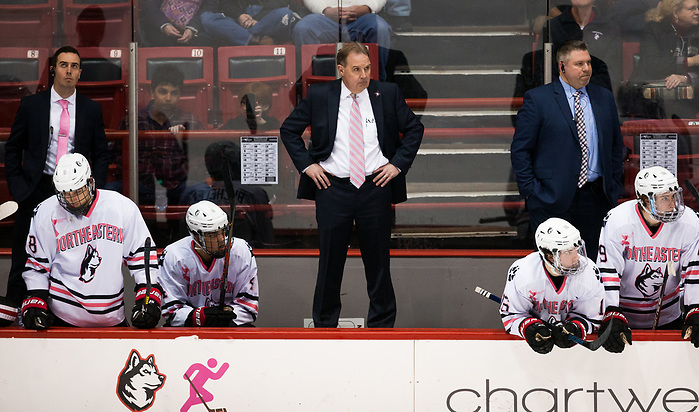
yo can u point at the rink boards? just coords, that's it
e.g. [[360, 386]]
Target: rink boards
[[344, 370]]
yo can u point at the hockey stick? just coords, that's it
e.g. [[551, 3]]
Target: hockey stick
[[593, 345], [692, 189], [146, 269], [202, 399], [669, 270], [8, 209], [228, 184]]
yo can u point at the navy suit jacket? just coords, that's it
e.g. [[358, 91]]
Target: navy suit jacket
[[27, 146], [545, 151], [320, 109]]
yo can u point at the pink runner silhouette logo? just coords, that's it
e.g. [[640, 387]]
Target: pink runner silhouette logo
[[197, 375], [138, 382]]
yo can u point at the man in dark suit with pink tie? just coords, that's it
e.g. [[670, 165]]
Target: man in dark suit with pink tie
[[47, 125], [354, 169]]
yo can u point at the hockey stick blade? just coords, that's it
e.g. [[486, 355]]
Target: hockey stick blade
[[593, 345], [7, 209]]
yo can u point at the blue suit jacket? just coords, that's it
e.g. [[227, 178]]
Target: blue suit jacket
[[546, 152], [27, 146], [320, 109]]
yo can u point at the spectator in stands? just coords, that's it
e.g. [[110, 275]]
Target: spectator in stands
[[256, 226], [583, 21], [33, 147], [255, 104], [353, 120], [398, 15], [630, 17], [243, 22], [358, 20], [174, 22], [567, 149], [161, 159], [669, 54]]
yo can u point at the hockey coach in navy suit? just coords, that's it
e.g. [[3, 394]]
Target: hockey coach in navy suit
[[348, 190], [32, 148], [555, 176]]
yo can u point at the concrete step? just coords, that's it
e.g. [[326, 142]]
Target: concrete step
[[462, 162], [463, 83], [468, 12], [463, 46]]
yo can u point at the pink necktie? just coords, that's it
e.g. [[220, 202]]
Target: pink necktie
[[356, 151], [63, 130]]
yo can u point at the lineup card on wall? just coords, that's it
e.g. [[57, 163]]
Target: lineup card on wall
[[259, 160], [659, 149]]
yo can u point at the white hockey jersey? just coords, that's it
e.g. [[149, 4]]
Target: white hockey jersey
[[530, 292], [189, 284], [78, 259], [633, 261]]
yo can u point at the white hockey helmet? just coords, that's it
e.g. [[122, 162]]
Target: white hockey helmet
[[204, 218], [656, 180], [75, 187], [559, 239]]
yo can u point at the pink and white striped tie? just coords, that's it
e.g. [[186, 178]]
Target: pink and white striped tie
[[63, 130], [356, 152]]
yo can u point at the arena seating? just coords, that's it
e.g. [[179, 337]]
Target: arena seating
[[104, 78], [273, 65], [23, 71]]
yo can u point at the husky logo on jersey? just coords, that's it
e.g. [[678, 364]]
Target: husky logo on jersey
[[89, 265], [649, 281], [138, 382]]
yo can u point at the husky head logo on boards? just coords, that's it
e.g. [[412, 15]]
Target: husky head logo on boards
[[138, 382], [89, 265]]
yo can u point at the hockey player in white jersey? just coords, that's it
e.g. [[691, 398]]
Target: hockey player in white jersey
[[77, 242], [191, 269], [558, 285], [639, 238]]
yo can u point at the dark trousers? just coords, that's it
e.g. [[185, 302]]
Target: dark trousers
[[369, 208], [586, 213], [16, 288]]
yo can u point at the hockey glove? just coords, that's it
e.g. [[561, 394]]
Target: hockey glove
[[569, 327], [35, 312], [620, 335], [538, 336], [213, 316], [146, 316], [690, 330], [8, 311]]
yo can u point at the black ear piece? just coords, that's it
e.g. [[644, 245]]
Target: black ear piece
[[52, 71], [563, 68]]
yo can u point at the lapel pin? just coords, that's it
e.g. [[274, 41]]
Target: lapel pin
[[377, 94]]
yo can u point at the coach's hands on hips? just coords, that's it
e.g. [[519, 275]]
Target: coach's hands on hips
[[317, 174], [538, 336], [386, 173], [35, 312], [690, 330], [146, 315], [620, 335]]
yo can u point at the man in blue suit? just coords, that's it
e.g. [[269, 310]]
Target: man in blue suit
[[569, 165], [32, 149], [348, 190]]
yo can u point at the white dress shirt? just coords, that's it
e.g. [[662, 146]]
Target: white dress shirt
[[338, 162]]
